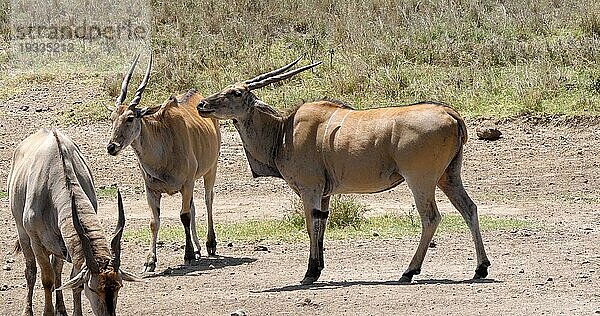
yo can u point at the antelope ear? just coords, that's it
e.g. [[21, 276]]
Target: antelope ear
[[128, 276], [146, 111], [76, 281]]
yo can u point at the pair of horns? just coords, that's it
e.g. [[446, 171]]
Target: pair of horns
[[277, 75], [138, 93], [86, 244]]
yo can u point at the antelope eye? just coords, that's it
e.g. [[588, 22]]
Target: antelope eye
[[129, 119], [236, 93]]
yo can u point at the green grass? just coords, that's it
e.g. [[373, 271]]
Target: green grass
[[84, 113], [344, 211], [3, 194], [387, 226], [106, 192]]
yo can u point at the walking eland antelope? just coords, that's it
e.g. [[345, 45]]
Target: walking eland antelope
[[52, 198], [324, 148], [174, 147]]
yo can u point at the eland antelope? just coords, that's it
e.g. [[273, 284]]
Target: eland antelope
[[324, 148], [52, 198], [174, 147]]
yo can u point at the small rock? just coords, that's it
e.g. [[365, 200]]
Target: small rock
[[306, 302], [261, 248], [6, 267], [10, 260], [178, 287], [488, 131], [42, 109], [230, 245], [521, 271], [24, 107], [375, 234], [77, 102], [550, 280], [432, 244], [239, 312], [4, 287]]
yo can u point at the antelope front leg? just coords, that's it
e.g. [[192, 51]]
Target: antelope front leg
[[30, 271], [211, 240], [77, 310], [316, 211], [154, 203], [185, 215], [59, 306], [47, 274]]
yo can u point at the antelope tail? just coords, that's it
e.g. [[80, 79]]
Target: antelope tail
[[461, 124]]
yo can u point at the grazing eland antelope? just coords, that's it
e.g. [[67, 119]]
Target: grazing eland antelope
[[324, 148], [52, 198], [174, 147]]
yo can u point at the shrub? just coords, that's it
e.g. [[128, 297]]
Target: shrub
[[344, 212]]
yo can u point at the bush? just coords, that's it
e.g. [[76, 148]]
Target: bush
[[344, 212]]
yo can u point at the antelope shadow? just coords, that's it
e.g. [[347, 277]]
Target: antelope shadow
[[343, 284], [202, 264]]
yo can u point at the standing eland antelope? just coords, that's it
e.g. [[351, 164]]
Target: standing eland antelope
[[174, 147], [52, 198], [324, 148]]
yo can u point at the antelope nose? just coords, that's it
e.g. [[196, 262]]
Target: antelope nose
[[201, 105], [111, 148]]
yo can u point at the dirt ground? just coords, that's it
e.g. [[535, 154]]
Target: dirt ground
[[543, 170]]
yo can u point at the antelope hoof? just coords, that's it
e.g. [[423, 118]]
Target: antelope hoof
[[308, 280], [482, 270], [313, 273], [149, 267], [197, 255], [211, 248], [190, 260], [407, 276]]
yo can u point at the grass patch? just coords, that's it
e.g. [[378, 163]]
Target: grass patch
[[386, 226], [106, 192], [344, 211], [84, 113], [3, 194]]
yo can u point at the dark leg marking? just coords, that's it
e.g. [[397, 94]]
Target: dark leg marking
[[320, 225], [189, 248], [321, 215], [315, 265]]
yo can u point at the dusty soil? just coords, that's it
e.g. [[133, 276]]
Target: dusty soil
[[543, 170]]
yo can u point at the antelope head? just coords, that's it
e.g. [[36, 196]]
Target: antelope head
[[101, 280], [237, 100], [126, 123]]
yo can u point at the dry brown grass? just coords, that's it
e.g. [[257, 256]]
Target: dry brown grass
[[483, 57]]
